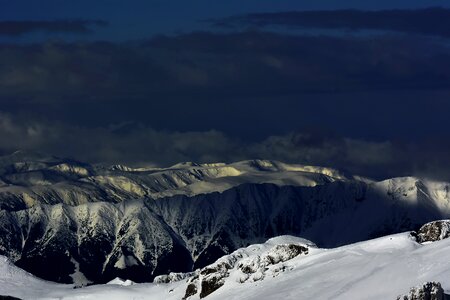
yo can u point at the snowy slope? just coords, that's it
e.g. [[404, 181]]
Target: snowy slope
[[379, 269], [382, 268]]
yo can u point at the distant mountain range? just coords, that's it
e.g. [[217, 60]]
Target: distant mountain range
[[29, 178], [95, 222]]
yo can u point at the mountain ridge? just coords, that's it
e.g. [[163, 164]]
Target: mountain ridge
[[99, 223], [27, 178], [199, 229]]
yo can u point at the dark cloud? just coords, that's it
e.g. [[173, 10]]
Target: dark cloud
[[249, 84], [136, 144], [18, 28], [429, 21], [129, 143], [239, 64], [224, 97]]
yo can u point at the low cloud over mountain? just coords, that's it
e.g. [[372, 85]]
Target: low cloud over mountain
[[137, 144]]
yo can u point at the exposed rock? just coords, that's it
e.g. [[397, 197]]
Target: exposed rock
[[9, 298], [434, 231], [220, 267], [190, 290], [172, 277], [428, 291], [212, 277], [282, 253], [256, 267], [210, 284]]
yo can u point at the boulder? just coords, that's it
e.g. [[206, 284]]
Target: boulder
[[434, 231], [428, 291]]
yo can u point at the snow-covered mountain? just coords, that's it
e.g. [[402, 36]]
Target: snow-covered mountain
[[30, 178], [96, 223], [392, 267]]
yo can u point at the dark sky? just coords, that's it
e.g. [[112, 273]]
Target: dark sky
[[136, 19], [358, 85]]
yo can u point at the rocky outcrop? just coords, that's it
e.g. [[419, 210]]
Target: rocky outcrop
[[433, 231], [172, 277], [191, 290], [428, 291], [253, 268]]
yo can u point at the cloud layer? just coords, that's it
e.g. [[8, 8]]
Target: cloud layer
[[256, 83], [429, 21], [210, 97], [236, 64], [18, 28]]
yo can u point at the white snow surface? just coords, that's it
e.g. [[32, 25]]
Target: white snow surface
[[382, 268]]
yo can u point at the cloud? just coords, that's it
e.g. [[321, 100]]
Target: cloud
[[137, 144], [429, 21], [247, 84], [210, 97], [128, 143], [378, 159], [18, 28], [208, 64]]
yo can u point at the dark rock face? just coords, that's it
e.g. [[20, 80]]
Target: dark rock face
[[213, 277], [434, 231], [210, 285], [290, 251], [428, 291], [9, 298], [190, 290], [103, 241]]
